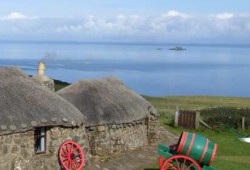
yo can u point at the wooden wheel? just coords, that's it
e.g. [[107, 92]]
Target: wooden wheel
[[160, 161], [71, 156], [180, 162]]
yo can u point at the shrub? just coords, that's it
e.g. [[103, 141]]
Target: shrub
[[226, 116]]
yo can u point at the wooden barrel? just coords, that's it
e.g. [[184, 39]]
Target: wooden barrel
[[197, 147]]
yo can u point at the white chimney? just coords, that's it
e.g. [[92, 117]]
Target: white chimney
[[41, 68], [41, 77]]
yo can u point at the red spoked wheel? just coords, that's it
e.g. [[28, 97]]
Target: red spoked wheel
[[71, 156], [160, 161], [180, 162]]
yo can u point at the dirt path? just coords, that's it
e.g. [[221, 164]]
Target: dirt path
[[142, 157]]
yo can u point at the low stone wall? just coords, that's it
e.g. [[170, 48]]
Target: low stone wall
[[17, 150], [107, 140], [153, 129]]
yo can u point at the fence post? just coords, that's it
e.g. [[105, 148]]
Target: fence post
[[176, 117], [243, 123], [197, 120]]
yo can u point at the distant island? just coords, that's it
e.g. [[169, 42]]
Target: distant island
[[177, 48]]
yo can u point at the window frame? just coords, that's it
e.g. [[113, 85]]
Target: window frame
[[40, 134]]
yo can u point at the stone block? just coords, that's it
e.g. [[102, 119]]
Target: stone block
[[101, 128], [8, 140], [52, 149], [22, 145], [30, 133], [92, 128], [14, 149], [152, 118], [85, 149], [76, 138], [24, 153], [54, 134], [5, 149], [84, 136], [17, 140]]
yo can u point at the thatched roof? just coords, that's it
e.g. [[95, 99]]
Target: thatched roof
[[106, 101], [44, 80], [26, 104], [41, 78]]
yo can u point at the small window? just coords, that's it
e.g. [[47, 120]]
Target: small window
[[40, 140]]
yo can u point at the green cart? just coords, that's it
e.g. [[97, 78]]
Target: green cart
[[192, 152]]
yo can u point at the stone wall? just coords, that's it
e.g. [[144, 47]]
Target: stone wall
[[17, 150], [153, 129], [107, 140]]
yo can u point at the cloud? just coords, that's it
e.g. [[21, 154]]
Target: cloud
[[17, 16], [172, 26], [173, 13], [225, 15], [120, 25]]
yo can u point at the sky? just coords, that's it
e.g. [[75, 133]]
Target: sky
[[170, 21]]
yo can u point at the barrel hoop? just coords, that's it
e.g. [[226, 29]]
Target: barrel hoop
[[213, 154], [191, 144], [204, 151], [182, 142]]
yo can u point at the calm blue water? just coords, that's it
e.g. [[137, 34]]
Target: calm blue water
[[149, 69]]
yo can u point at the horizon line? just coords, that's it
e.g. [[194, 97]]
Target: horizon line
[[124, 42]]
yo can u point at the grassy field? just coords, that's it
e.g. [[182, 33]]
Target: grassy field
[[232, 154], [166, 105]]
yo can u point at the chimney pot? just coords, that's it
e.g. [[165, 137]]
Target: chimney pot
[[41, 68]]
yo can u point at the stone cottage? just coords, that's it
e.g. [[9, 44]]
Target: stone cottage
[[118, 119], [34, 122]]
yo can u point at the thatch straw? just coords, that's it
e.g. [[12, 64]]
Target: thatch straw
[[26, 104], [106, 101]]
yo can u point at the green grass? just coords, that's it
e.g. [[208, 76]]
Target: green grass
[[169, 104], [232, 154], [60, 84]]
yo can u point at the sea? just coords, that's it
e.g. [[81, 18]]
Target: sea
[[148, 68]]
